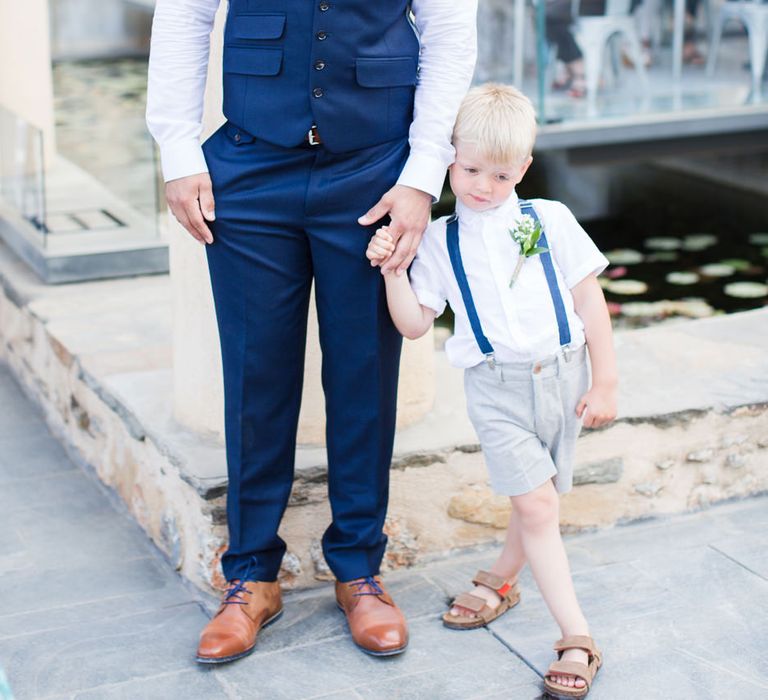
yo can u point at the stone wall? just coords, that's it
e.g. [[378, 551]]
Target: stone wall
[[641, 466]]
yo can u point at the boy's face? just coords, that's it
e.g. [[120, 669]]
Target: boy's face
[[480, 183]]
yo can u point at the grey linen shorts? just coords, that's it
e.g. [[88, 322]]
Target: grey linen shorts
[[525, 417]]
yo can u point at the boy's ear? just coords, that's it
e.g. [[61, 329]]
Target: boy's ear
[[524, 168]]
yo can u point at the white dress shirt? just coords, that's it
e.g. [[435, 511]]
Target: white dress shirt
[[520, 322], [178, 68]]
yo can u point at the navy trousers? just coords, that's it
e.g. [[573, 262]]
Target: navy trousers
[[286, 216]]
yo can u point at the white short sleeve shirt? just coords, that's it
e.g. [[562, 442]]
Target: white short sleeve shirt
[[520, 322]]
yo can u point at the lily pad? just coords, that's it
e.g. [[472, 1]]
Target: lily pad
[[759, 238], [628, 287], [690, 308], [662, 256], [699, 241], [682, 278], [663, 243], [746, 290], [716, 270], [624, 256], [737, 264]]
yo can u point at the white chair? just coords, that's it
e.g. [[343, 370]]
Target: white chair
[[593, 34], [754, 16]]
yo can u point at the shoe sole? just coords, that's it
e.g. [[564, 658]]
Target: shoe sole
[[370, 652], [212, 660]]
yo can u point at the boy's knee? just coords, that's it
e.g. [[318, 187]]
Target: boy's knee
[[539, 508]]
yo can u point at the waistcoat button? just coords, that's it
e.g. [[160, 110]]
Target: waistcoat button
[[324, 7], [319, 65], [322, 36], [317, 92]]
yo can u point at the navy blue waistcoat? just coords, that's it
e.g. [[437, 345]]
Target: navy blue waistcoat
[[348, 66]]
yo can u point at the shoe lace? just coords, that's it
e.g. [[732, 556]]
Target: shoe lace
[[369, 582], [233, 592]]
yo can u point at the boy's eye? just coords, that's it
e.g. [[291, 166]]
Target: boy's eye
[[502, 178], [471, 171]]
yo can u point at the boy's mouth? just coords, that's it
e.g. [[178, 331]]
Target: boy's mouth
[[479, 200]]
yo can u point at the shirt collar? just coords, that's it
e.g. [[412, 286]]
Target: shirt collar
[[506, 211]]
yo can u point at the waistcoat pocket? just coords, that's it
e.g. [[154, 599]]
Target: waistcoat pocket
[[256, 26], [386, 72], [252, 61]]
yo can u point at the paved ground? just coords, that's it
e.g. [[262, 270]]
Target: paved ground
[[89, 609]]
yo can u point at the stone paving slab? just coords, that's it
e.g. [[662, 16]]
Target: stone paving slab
[[89, 609]]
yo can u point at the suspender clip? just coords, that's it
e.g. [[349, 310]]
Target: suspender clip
[[490, 358], [567, 352]]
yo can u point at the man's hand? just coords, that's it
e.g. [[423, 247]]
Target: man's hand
[[408, 209], [380, 247], [191, 201], [597, 406]]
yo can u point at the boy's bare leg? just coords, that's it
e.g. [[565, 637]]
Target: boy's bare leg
[[538, 516], [508, 565]]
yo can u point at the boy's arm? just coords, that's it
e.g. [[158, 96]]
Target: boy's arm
[[600, 400], [411, 318]]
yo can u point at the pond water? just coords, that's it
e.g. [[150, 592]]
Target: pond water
[[99, 111], [680, 269]]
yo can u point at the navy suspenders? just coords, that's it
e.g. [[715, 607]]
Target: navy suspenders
[[452, 239]]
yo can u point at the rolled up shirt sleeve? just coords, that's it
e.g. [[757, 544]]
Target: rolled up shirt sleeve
[[178, 68], [425, 272], [448, 36]]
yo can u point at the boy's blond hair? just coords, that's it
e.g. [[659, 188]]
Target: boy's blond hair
[[499, 121]]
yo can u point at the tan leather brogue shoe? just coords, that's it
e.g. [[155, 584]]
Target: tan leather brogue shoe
[[247, 607], [377, 625]]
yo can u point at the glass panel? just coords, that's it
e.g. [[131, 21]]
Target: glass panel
[[626, 60], [22, 182], [100, 128]]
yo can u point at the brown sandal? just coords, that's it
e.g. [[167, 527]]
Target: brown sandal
[[573, 668], [484, 613]]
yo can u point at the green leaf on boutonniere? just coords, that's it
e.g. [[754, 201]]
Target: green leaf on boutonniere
[[537, 251]]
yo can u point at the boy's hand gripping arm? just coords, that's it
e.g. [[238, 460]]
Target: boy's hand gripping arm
[[410, 318], [598, 405]]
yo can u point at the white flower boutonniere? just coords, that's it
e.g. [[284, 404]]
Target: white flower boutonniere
[[526, 234]]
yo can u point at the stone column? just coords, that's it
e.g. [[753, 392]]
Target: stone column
[[26, 84], [198, 391]]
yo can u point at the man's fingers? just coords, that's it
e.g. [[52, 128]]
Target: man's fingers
[[378, 211], [207, 205], [410, 254], [196, 221], [183, 219], [403, 254], [580, 407]]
